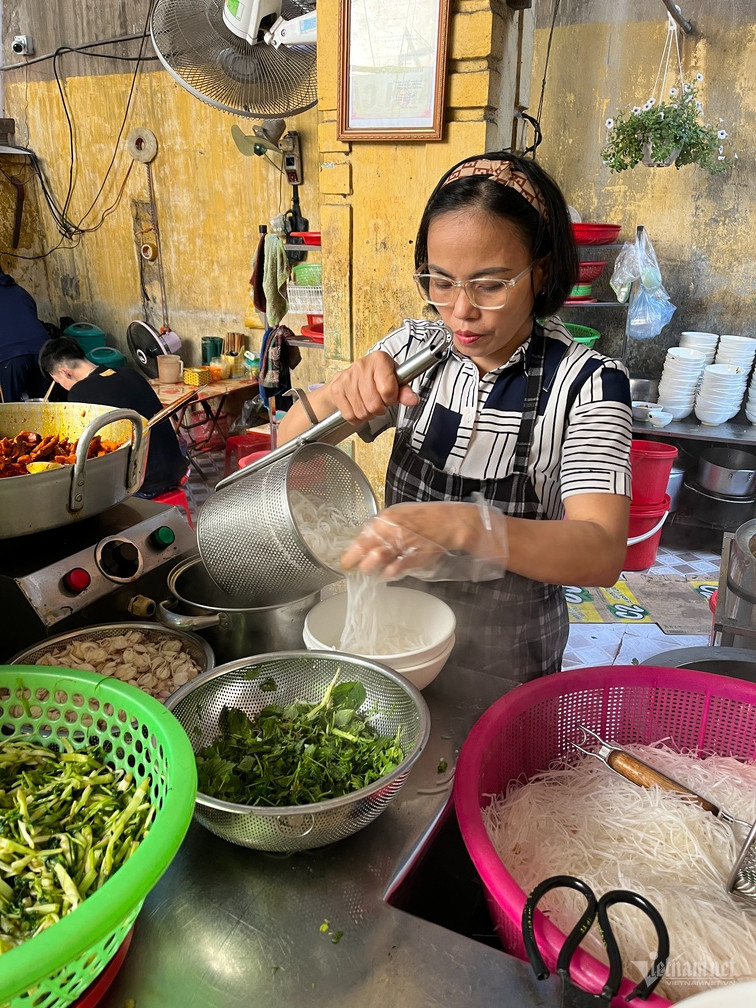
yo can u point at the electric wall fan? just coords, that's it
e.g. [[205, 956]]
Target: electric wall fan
[[252, 58]]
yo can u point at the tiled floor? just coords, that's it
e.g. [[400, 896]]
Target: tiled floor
[[680, 552]]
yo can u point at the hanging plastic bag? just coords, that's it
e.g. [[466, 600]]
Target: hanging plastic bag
[[637, 276]]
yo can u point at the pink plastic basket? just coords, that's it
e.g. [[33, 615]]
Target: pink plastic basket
[[528, 729]]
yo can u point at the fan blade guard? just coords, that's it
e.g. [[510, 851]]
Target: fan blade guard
[[206, 58]]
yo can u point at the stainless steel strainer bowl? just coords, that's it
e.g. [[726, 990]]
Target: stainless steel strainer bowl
[[249, 537], [391, 703]]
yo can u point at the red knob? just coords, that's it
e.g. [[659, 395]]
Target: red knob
[[76, 580]]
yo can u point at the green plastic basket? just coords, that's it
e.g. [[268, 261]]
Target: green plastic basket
[[582, 333], [136, 733], [308, 274]]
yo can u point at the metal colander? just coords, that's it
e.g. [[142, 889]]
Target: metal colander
[[250, 540], [195, 647], [391, 702]]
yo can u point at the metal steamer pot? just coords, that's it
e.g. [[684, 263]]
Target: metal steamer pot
[[728, 471], [234, 628], [46, 500]]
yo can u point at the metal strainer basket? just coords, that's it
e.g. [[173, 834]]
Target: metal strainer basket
[[391, 703], [250, 539]]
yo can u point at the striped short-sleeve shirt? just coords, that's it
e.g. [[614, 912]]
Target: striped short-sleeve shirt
[[469, 423]]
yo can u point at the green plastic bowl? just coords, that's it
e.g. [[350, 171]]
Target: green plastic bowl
[[582, 334], [138, 734]]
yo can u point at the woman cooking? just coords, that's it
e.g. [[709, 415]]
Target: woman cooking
[[509, 474]]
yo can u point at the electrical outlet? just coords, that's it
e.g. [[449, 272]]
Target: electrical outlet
[[22, 45]]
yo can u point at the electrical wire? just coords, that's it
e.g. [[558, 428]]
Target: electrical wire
[[66, 227], [545, 69], [7, 67]]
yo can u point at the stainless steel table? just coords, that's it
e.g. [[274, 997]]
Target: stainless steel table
[[227, 926]]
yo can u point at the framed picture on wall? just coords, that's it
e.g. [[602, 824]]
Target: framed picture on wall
[[392, 58]]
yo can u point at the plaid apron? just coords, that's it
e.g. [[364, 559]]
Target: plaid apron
[[513, 628]]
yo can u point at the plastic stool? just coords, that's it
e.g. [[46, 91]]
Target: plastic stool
[[245, 460], [176, 498], [238, 443]]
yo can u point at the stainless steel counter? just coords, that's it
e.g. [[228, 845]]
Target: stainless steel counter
[[227, 926], [738, 429]]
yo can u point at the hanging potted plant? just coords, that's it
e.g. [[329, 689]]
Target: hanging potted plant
[[658, 134], [669, 127]]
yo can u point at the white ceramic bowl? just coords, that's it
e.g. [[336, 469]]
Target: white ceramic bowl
[[692, 337], [728, 339], [718, 370], [679, 412], [712, 417], [641, 410], [686, 354], [659, 418], [433, 619]]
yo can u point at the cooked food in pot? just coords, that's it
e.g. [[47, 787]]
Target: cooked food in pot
[[29, 449]]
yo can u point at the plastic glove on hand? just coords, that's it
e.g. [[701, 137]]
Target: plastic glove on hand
[[437, 541]]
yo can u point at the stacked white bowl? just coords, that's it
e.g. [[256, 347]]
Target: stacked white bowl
[[706, 342], [737, 350], [750, 403], [679, 379], [721, 393]]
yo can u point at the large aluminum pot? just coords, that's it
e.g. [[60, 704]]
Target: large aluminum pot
[[46, 500], [233, 628], [741, 569], [728, 471]]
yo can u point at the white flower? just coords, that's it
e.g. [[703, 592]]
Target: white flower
[[720, 157], [722, 134], [647, 105], [699, 107], [721, 150], [699, 77], [609, 124], [637, 110], [673, 92], [687, 88]]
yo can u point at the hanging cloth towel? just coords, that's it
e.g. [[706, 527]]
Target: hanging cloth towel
[[277, 359], [275, 275], [256, 280]]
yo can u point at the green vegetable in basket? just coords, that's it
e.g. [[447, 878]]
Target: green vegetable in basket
[[67, 822], [297, 754]]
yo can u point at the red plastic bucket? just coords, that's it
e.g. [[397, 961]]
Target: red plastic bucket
[[651, 464], [644, 533]]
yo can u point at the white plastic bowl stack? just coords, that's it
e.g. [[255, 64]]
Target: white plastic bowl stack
[[750, 403], [705, 342], [737, 350], [721, 393], [433, 619], [679, 379]]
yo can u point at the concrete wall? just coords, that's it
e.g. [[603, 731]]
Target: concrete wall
[[604, 57]]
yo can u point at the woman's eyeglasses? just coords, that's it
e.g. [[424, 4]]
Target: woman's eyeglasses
[[482, 292]]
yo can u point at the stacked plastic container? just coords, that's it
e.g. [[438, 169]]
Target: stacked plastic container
[[651, 464]]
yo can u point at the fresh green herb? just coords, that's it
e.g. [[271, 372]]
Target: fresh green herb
[[442, 766], [325, 925], [67, 822], [336, 937], [298, 753]]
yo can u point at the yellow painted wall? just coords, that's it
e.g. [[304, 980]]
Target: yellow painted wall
[[366, 197], [702, 226]]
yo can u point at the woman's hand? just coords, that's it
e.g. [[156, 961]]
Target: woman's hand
[[368, 388], [438, 541]]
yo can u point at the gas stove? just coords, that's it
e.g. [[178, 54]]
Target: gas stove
[[109, 568]]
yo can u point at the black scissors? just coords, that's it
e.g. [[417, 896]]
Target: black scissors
[[572, 995]]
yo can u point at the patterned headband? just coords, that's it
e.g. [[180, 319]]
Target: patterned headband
[[503, 173]]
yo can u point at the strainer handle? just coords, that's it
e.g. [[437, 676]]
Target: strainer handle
[[437, 346]]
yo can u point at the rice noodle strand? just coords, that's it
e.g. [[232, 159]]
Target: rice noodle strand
[[585, 820]]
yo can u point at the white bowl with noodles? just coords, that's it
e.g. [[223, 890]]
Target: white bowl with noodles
[[422, 626]]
